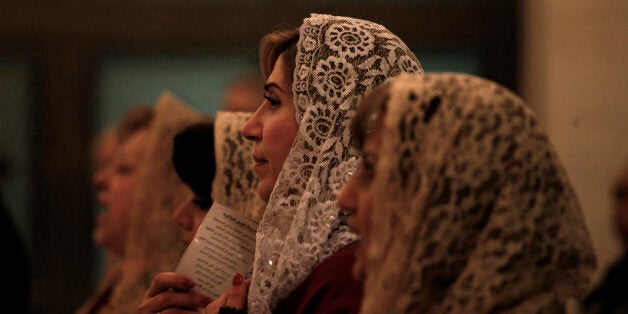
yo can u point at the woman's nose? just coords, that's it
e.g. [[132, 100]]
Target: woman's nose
[[99, 179], [181, 216], [347, 197], [252, 129]]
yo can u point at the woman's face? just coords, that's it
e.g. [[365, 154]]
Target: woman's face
[[356, 197], [103, 156], [189, 215], [273, 127], [116, 195]]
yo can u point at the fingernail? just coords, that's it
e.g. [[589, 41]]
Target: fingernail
[[237, 279], [205, 301], [189, 283]]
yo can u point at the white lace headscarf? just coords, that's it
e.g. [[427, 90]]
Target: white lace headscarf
[[338, 60], [474, 212], [235, 183]]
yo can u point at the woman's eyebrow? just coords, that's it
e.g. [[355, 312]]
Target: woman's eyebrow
[[267, 86]]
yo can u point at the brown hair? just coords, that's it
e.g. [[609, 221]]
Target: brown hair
[[272, 45], [370, 108]]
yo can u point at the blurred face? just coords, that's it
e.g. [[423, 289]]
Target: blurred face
[[356, 197], [273, 127], [189, 215], [620, 205], [103, 155], [118, 187]]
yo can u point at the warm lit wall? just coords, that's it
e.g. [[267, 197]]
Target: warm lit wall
[[575, 74]]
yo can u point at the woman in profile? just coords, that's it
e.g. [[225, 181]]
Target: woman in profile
[[315, 75], [462, 203]]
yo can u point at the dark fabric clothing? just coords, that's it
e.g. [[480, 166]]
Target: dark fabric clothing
[[330, 288], [18, 292], [611, 295], [99, 301]]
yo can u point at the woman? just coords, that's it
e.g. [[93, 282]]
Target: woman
[[195, 162], [465, 206], [215, 161], [122, 142], [302, 150], [314, 78], [138, 190]]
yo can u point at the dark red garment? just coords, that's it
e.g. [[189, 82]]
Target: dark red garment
[[330, 288]]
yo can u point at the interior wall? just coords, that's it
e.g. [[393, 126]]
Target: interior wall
[[574, 72]]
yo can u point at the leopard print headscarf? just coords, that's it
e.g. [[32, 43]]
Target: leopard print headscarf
[[235, 184], [338, 60], [477, 212]]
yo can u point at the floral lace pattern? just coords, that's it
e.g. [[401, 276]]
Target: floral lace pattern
[[480, 216], [235, 184], [338, 60]]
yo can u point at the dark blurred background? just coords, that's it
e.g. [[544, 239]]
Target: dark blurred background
[[69, 68]]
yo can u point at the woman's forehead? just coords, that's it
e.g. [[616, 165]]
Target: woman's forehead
[[279, 78]]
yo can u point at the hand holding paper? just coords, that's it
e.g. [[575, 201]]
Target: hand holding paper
[[224, 243]]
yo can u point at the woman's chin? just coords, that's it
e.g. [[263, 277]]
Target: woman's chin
[[357, 272], [264, 190], [357, 269]]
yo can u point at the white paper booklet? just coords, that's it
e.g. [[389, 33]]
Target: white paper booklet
[[223, 244]]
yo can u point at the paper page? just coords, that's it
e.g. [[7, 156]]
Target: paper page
[[224, 243]]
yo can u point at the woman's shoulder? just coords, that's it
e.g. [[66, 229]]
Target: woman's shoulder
[[330, 288], [339, 261]]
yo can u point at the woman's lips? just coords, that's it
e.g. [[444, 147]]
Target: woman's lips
[[259, 162], [258, 159]]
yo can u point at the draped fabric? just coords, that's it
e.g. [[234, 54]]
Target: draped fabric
[[477, 213], [154, 238], [338, 60], [235, 184]]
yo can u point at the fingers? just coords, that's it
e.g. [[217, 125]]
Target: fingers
[[171, 293], [173, 302], [234, 297], [166, 281]]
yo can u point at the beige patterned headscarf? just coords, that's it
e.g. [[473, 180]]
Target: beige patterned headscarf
[[235, 184], [338, 60], [154, 243], [477, 212]]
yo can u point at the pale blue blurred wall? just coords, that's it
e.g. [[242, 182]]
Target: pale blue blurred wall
[[125, 81]]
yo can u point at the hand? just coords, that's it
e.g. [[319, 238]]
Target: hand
[[171, 293], [234, 297]]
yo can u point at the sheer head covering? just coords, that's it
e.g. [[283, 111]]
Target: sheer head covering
[[154, 243], [473, 212], [338, 59], [103, 152], [235, 184]]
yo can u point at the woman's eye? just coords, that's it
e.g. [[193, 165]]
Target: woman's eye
[[273, 102], [366, 173], [368, 168]]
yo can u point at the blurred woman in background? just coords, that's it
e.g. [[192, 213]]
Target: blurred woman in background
[[462, 203]]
